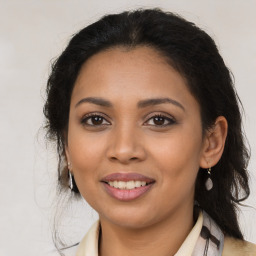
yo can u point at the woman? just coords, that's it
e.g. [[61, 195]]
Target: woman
[[148, 131]]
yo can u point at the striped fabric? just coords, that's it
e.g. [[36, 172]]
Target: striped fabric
[[211, 239]]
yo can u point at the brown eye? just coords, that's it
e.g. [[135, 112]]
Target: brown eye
[[160, 120], [94, 120]]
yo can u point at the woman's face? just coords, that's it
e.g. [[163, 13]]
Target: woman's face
[[135, 138]]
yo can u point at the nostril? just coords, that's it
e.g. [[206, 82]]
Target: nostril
[[125, 154]]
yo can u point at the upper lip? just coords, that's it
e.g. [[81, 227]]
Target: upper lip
[[127, 177]]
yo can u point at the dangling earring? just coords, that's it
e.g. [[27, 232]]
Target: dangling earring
[[209, 183], [70, 178]]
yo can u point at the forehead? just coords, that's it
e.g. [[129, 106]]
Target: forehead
[[122, 64], [122, 74], [139, 54]]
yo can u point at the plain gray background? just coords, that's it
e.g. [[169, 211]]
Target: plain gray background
[[34, 32]]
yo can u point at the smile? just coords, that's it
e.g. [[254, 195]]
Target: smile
[[127, 186]]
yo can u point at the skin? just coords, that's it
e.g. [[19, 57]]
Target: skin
[[128, 139]]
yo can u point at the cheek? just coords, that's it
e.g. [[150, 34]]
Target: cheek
[[178, 165], [178, 156], [86, 152], [85, 157]]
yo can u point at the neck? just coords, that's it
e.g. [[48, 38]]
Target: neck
[[161, 239]]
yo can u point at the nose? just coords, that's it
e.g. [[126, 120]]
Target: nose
[[126, 146]]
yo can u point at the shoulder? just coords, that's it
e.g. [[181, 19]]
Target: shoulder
[[236, 247]]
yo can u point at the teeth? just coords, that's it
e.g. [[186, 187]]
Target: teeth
[[115, 184], [130, 184], [127, 185]]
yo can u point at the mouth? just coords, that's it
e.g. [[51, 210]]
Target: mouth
[[132, 184], [127, 186]]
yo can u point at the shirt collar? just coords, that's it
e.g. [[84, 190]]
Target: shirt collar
[[89, 244]]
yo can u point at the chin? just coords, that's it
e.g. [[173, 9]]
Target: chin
[[131, 219]]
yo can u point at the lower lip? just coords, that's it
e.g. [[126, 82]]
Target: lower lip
[[127, 194]]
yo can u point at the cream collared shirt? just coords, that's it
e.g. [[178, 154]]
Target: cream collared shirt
[[89, 244]]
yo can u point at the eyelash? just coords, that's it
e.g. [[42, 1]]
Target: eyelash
[[90, 116], [87, 117]]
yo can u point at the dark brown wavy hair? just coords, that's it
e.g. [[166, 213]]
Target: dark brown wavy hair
[[193, 53]]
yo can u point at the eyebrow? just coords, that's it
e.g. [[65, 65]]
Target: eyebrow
[[141, 104], [157, 101], [96, 101]]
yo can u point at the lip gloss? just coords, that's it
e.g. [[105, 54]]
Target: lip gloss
[[127, 194]]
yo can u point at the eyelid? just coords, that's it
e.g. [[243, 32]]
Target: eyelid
[[167, 116], [92, 114], [161, 114]]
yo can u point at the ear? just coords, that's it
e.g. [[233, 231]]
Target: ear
[[214, 143]]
